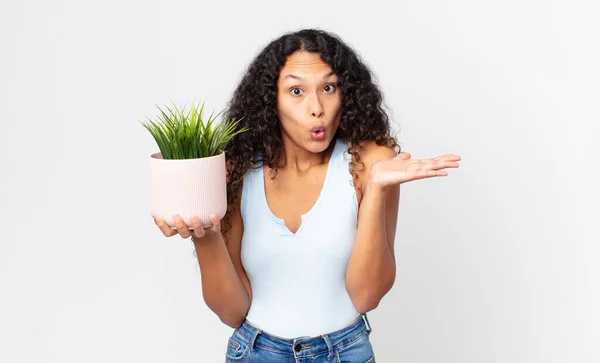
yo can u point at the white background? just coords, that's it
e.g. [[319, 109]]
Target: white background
[[498, 262]]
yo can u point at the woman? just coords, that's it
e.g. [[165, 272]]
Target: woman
[[307, 244]]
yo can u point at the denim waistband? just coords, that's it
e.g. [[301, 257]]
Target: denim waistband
[[305, 346]]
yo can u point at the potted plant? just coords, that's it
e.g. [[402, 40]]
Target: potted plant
[[188, 175]]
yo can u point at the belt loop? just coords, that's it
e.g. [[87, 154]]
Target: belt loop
[[369, 330], [329, 346], [253, 340]]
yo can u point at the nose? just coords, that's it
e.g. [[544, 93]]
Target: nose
[[316, 106]]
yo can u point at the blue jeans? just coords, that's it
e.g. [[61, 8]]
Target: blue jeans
[[349, 345]]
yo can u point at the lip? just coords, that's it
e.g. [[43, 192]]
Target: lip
[[317, 133]]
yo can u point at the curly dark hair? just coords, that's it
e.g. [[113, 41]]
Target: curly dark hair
[[255, 102]]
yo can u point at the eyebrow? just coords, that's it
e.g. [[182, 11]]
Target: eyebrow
[[298, 77]]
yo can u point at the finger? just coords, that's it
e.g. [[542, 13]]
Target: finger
[[403, 156], [437, 163], [182, 229], [420, 164], [164, 227], [444, 164], [216, 223], [432, 173], [198, 227], [452, 157], [448, 157]]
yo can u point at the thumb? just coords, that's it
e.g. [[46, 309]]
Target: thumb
[[403, 156], [216, 223]]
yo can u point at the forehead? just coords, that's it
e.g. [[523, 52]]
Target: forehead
[[304, 64]]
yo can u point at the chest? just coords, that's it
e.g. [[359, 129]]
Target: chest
[[291, 196]]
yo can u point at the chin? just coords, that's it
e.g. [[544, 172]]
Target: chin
[[318, 146]]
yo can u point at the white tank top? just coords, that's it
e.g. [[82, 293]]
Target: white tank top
[[298, 280]]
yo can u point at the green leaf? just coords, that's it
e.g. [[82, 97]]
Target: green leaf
[[182, 134]]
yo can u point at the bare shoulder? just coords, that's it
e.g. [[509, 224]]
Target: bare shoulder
[[371, 152]]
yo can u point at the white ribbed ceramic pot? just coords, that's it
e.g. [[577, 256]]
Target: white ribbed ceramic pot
[[188, 187]]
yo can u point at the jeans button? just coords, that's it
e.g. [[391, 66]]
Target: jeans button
[[298, 347]]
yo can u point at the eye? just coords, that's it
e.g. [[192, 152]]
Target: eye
[[296, 91], [329, 88]]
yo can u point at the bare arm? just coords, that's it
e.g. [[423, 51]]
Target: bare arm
[[372, 267], [225, 285]]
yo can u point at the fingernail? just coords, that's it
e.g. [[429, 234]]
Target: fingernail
[[176, 218], [194, 220]]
